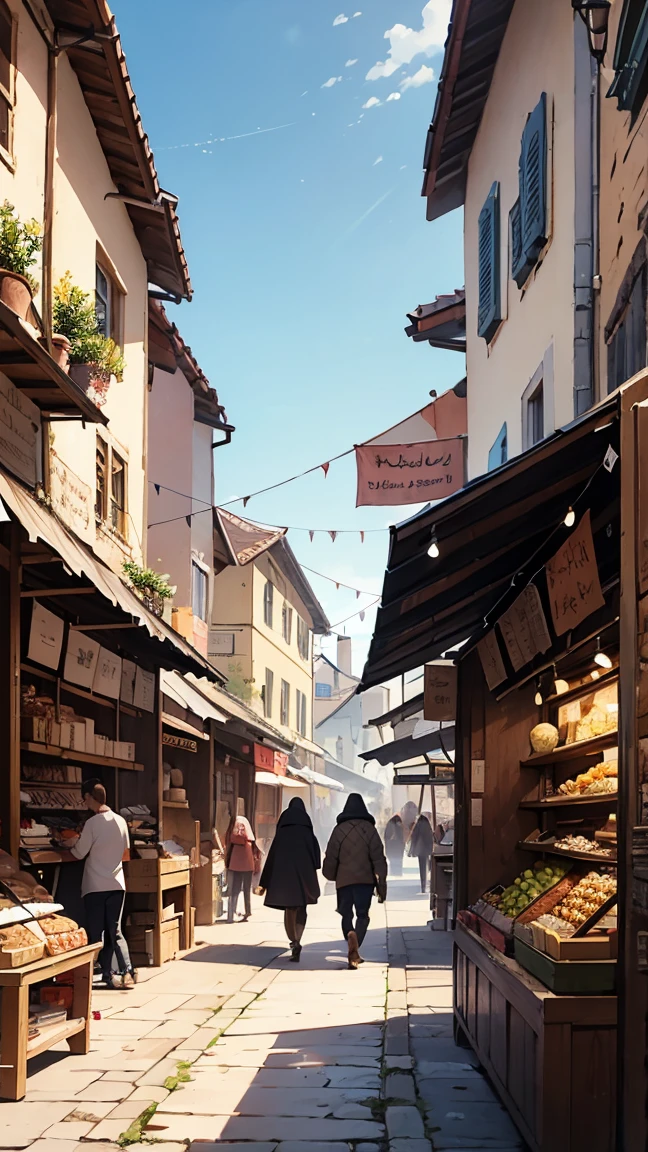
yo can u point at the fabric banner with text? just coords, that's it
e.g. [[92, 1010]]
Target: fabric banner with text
[[573, 579], [409, 473]]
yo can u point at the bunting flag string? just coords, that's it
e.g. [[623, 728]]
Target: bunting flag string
[[361, 613], [338, 583]]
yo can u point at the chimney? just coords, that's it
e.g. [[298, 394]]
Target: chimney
[[344, 654]]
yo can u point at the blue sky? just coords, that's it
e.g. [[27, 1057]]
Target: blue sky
[[306, 245]]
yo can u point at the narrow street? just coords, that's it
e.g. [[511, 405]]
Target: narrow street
[[234, 1044]]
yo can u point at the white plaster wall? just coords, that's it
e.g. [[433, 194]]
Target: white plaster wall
[[171, 405]]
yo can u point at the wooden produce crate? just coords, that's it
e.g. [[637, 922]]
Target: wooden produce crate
[[567, 977]]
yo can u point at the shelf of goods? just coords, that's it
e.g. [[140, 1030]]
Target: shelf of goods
[[576, 750], [560, 801], [80, 757], [568, 853]]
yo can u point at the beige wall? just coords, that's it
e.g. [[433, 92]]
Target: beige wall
[[82, 219], [536, 55]]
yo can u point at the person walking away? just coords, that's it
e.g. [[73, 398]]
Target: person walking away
[[104, 844], [290, 872], [355, 860], [243, 857], [421, 845], [395, 844]]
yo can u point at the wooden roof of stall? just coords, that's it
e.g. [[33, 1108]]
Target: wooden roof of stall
[[87, 29]]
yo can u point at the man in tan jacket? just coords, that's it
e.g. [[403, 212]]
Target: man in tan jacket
[[355, 860]]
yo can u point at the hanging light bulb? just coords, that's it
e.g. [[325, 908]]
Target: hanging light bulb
[[561, 686], [433, 550], [601, 658], [538, 698], [570, 519], [595, 675]]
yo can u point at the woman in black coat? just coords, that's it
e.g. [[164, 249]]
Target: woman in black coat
[[290, 873], [395, 844], [421, 844]]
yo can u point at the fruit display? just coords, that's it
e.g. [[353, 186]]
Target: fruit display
[[581, 844], [528, 886], [598, 779], [585, 898]]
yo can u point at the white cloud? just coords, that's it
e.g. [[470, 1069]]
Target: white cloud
[[425, 75], [341, 19], [406, 43], [372, 102], [356, 14], [333, 80], [378, 160], [350, 63], [393, 96]]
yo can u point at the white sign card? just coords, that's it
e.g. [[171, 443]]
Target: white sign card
[[476, 812], [491, 660], [524, 628], [127, 681], [107, 677], [477, 775], [45, 637], [144, 694], [80, 659]]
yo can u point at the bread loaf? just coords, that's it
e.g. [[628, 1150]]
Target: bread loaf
[[177, 779]]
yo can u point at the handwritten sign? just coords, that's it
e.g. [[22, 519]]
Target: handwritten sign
[[409, 473], [263, 758], [491, 660], [524, 628], [477, 812], [477, 775], [72, 499], [440, 691], [107, 677], [127, 686], [19, 424], [144, 691], [573, 579], [81, 659], [45, 637], [183, 742]]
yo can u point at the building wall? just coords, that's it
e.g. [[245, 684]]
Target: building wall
[[232, 611], [83, 219], [170, 463], [537, 55], [270, 650], [340, 686]]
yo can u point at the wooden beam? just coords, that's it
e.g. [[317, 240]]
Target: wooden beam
[[47, 592], [100, 627]]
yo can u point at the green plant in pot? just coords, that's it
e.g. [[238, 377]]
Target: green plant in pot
[[94, 358], [151, 586], [19, 246]]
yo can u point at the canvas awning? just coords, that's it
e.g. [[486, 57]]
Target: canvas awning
[[178, 688], [398, 751], [236, 710], [41, 525], [492, 537], [268, 778]]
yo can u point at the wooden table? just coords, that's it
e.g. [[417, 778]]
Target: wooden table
[[15, 984]]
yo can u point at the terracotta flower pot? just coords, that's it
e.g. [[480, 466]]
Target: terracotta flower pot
[[94, 382], [15, 292], [60, 350]]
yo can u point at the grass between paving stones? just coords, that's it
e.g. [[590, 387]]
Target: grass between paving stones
[[379, 1105]]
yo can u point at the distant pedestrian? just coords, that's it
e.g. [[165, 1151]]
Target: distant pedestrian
[[290, 872], [355, 860], [243, 858], [395, 844], [421, 844]]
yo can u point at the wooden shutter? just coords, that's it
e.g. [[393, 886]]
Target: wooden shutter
[[499, 452], [489, 309], [519, 270], [533, 183]]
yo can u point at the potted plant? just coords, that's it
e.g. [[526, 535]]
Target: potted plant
[[152, 587], [94, 358], [19, 245]]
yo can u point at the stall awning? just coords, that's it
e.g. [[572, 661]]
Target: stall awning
[[321, 779], [179, 725], [33, 372], [398, 751], [499, 527], [236, 710], [178, 688], [268, 778], [40, 524]]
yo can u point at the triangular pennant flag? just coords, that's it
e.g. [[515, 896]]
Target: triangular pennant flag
[[188, 519], [361, 615], [311, 534], [333, 535], [157, 488], [325, 468], [337, 586], [358, 594], [362, 537], [245, 501]]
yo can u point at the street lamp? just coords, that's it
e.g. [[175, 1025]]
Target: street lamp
[[595, 15]]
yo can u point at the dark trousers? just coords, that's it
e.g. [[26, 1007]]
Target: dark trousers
[[423, 869], [103, 918], [294, 923], [238, 882], [355, 897]]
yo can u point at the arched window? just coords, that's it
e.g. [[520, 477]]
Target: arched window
[[7, 50]]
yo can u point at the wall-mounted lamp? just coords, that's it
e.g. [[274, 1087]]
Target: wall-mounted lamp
[[595, 14], [601, 658]]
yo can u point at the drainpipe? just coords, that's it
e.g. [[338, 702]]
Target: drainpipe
[[48, 197], [585, 217], [596, 229]]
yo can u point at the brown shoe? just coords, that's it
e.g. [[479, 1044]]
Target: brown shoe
[[354, 954]]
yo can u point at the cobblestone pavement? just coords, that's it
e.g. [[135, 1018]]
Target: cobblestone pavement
[[236, 1047]]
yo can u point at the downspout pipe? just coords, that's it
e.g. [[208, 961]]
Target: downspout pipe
[[48, 196], [585, 217]]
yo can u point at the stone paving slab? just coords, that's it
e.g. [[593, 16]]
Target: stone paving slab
[[263, 1102]]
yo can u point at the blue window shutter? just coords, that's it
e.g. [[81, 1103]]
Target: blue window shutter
[[499, 452], [519, 269], [489, 308], [533, 183]]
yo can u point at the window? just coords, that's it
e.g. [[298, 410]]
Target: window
[[285, 703], [198, 591], [268, 689], [101, 497], [286, 621], [533, 414], [268, 602], [499, 452], [630, 84], [303, 638], [627, 346], [323, 691], [336, 680], [108, 304], [528, 216], [7, 79], [118, 493], [301, 712], [489, 314]]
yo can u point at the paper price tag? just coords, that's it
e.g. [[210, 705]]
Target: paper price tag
[[476, 813], [478, 768]]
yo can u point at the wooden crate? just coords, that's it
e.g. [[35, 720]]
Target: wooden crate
[[568, 977]]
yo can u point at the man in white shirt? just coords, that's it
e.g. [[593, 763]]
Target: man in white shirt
[[104, 844]]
